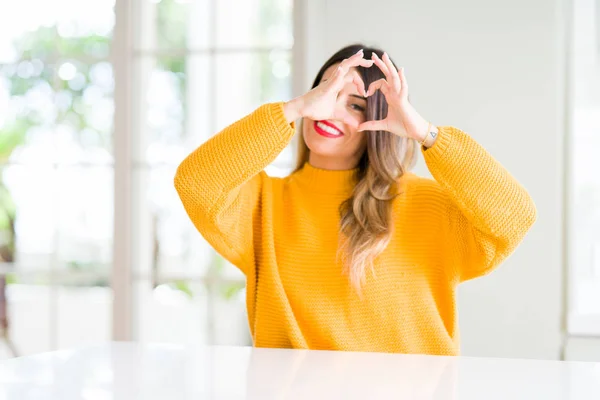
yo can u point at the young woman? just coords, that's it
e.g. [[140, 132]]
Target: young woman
[[352, 251]]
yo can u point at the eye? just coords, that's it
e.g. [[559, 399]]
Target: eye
[[357, 107]]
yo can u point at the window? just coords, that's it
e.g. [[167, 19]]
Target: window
[[56, 174], [198, 67], [584, 180], [195, 66]]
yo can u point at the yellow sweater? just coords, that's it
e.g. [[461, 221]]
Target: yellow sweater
[[283, 234]]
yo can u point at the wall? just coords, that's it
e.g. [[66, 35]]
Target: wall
[[496, 70], [582, 349]]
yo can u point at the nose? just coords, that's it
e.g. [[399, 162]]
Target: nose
[[343, 118]]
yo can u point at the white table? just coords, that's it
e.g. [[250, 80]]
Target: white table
[[130, 371]]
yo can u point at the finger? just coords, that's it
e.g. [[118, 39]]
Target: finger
[[403, 81], [366, 63], [381, 65], [355, 61], [345, 65], [358, 82], [380, 84], [394, 77], [360, 85], [377, 125], [350, 63], [340, 77]]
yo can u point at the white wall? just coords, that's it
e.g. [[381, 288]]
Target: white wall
[[582, 349], [496, 70]]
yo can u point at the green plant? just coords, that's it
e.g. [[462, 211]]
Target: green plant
[[10, 138], [35, 72], [183, 287]]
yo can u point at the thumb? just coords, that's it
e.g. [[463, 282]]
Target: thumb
[[377, 125]]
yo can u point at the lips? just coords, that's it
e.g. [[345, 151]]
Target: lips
[[327, 129]]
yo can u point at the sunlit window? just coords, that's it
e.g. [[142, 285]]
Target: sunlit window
[[56, 176], [198, 67], [584, 212]]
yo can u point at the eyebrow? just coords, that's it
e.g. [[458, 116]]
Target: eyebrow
[[359, 97], [353, 95]]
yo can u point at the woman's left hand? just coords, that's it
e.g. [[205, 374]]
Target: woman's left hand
[[402, 118]]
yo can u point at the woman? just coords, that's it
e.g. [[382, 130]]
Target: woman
[[352, 251]]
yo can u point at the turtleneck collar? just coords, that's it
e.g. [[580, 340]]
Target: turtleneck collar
[[326, 181]]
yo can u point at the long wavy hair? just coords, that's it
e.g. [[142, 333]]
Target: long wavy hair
[[366, 217]]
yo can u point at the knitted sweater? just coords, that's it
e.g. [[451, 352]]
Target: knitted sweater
[[283, 234]]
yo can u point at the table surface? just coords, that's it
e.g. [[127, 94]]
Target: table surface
[[132, 371]]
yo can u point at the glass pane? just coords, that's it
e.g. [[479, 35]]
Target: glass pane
[[168, 245], [54, 108], [8, 213], [29, 194], [187, 312], [84, 98], [265, 77], [227, 270], [173, 24], [585, 181], [39, 314], [28, 112], [60, 103], [84, 218], [71, 114], [254, 23], [34, 29], [245, 81], [230, 318], [84, 313], [62, 217], [174, 312], [175, 108], [85, 29], [29, 313]]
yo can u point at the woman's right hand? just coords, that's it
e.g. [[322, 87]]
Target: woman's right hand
[[321, 102]]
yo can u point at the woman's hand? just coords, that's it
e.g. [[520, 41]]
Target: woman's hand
[[402, 119], [321, 102]]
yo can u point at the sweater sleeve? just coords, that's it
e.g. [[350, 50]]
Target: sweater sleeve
[[487, 213], [221, 183]]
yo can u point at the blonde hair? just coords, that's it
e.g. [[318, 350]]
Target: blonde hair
[[366, 217]]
